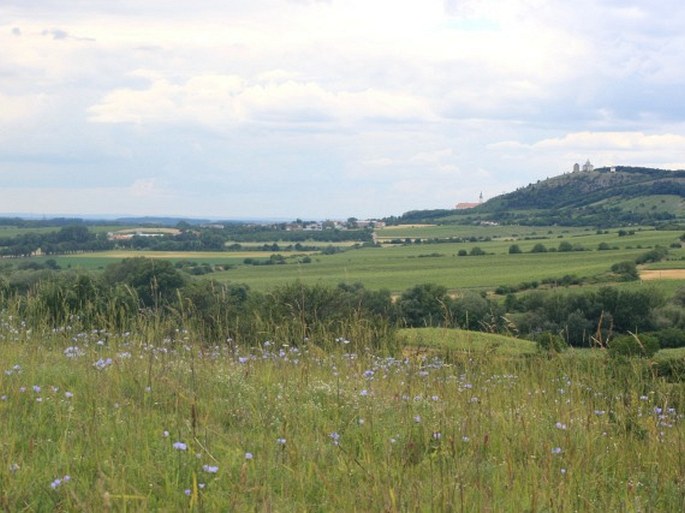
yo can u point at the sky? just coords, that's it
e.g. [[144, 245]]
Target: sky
[[326, 109]]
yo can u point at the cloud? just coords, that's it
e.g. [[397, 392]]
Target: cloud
[[219, 100]]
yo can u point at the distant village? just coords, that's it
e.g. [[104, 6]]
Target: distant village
[[295, 226]]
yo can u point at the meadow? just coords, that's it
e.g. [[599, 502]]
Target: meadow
[[152, 421]]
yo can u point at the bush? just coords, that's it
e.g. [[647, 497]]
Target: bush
[[539, 248], [670, 338], [550, 342], [476, 251], [655, 255], [626, 271], [644, 346], [514, 249]]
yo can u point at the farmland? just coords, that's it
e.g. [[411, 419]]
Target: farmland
[[398, 266]]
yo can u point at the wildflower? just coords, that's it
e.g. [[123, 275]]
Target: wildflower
[[36, 389], [102, 363], [201, 486], [73, 352], [281, 441], [560, 425], [55, 484], [368, 374], [165, 434], [556, 450], [68, 395], [210, 469], [437, 435], [249, 456], [22, 389], [242, 359], [465, 439], [14, 467], [335, 437], [187, 492], [417, 418], [364, 393], [599, 412], [180, 446], [563, 471]]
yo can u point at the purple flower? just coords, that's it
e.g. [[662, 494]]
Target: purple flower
[[556, 450], [180, 446], [55, 484], [68, 395], [210, 469], [187, 492], [249, 456], [281, 441], [335, 437], [560, 425], [36, 389]]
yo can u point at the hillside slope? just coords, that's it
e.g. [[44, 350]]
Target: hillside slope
[[603, 197]]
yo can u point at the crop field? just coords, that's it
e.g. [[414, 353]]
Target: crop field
[[146, 422], [397, 267], [454, 230]]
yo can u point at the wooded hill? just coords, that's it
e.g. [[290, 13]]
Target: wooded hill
[[604, 197]]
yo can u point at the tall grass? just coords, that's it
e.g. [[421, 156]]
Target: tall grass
[[153, 420]]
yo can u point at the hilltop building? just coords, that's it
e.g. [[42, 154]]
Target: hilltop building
[[464, 206]]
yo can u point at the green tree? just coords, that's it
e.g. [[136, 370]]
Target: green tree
[[155, 281]]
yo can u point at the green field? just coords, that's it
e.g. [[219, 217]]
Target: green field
[[398, 267]]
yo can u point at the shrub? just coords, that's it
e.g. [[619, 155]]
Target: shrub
[[514, 249], [670, 338], [550, 342], [626, 271], [644, 346], [539, 248]]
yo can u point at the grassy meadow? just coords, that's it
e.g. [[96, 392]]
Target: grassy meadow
[[145, 421]]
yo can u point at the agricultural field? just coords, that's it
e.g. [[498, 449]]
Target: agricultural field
[[397, 267], [99, 421]]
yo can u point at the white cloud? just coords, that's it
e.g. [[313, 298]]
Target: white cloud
[[216, 100]]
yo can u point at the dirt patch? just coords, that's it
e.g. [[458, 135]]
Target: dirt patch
[[663, 274]]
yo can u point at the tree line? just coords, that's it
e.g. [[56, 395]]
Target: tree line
[[143, 287]]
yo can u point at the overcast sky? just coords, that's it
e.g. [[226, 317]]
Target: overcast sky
[[326, 109]]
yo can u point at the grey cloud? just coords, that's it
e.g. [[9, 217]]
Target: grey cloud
[[62, 35]]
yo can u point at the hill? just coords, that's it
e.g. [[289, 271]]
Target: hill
[[603, 197]]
